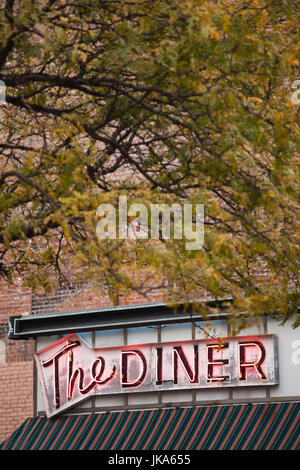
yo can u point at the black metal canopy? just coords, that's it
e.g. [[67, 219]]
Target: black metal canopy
[[148, 314]]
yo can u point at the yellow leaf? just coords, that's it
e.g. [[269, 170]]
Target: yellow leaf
[[255, 99]]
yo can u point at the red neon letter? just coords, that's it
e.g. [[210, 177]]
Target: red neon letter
[[96, 377], [55, 361], [211, 363], [159, 366], [255, 364], [124, 379], [192, 375]]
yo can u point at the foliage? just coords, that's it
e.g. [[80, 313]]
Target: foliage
[[162, 101]]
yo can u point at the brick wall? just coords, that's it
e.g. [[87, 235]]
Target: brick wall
[[16, 395], [16, 363], [14, 300]]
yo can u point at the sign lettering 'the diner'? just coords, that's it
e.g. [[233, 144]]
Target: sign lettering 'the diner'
[[70, 370]]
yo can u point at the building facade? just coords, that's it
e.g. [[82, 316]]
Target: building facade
[[140, 376]]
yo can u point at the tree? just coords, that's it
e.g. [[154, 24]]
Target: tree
[[177, 102]]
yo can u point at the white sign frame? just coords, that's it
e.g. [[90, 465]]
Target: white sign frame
[[71, 371]]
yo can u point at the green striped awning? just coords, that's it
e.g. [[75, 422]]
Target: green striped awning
[[258, 426]]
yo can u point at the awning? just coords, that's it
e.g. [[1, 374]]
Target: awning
[[253, 426]]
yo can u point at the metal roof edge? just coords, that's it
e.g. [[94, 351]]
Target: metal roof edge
[[146, 314]]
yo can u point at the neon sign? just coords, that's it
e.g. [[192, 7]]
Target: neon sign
[[71, 371]]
